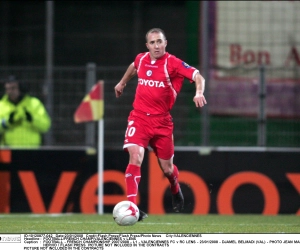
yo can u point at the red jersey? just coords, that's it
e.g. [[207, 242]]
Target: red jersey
[[159, 82]]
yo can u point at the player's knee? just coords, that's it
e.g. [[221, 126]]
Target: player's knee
[[136, 159], [136, 155], [167, 169]]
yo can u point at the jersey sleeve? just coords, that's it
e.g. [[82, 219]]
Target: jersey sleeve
[[183, 69]]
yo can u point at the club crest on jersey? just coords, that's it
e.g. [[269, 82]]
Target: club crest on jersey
[[185, 65], [151, 83], [149, 72]]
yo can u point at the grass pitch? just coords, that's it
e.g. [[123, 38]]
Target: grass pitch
[[169, 223]]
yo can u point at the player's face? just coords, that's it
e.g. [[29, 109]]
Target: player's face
[[156, 44]]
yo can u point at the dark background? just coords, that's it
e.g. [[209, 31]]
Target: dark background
[[107, 33]]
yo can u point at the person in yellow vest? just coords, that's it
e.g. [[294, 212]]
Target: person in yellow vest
[[23, 118]]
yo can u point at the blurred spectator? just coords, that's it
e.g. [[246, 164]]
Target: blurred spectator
[[23, 118]]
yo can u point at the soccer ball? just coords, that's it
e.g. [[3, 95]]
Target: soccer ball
[[126, 213]]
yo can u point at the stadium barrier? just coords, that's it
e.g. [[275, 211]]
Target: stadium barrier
[[214, 180]]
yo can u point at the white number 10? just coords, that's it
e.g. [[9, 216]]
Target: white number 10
[[130, 131]]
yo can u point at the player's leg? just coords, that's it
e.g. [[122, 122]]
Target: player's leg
[[133, 171], [133, 175], [163, 146], [135, 142], [171, 172]]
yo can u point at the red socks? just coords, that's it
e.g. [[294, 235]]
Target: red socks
[[132, 178], [173, 179]]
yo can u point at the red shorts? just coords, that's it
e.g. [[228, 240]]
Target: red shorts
[[153, 130]]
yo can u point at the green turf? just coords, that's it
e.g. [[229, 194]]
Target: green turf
[[169, 223]]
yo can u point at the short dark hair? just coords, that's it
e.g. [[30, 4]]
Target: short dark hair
[[155, 30]]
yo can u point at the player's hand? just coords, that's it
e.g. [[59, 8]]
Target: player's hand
[[199, 100], [119, 89]]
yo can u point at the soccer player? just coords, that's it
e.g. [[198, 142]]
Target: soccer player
[[160, 78]]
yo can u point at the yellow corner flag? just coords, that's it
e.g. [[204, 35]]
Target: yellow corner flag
[[92, 106]]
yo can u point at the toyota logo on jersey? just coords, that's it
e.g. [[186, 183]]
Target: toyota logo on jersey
[[151, 83], [149, 73]]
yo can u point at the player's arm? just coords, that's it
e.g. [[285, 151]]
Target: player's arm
[[130, 72], [199, 98]]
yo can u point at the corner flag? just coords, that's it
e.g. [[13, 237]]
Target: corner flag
[[92, 106]]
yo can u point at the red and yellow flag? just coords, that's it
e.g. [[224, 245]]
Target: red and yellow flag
[[92, 106]]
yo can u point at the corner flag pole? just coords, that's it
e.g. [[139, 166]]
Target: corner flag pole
[[100, 165], [92, 109], [101, 155]]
